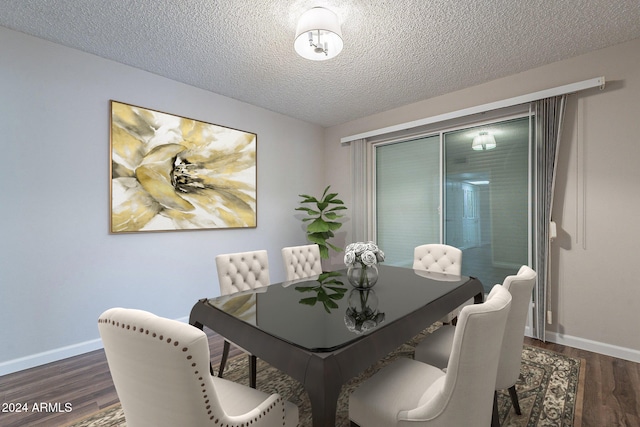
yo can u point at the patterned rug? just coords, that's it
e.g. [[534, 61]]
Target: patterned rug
[[549, 389]]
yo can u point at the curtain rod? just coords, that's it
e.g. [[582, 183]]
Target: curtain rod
[[522, 99]]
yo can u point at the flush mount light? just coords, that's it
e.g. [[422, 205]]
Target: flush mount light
[[318, 35], [484, 141]]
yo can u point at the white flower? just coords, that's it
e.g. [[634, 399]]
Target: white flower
[[360, 248], [349, 258], [368, 258], [380, 256]]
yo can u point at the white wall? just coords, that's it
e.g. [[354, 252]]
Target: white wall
[[59, 266], [596, 296]]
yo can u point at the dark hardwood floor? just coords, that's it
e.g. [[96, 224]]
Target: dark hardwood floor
[[611, 393]]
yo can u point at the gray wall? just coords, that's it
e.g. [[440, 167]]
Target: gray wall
[[59, 266], [596, 297]]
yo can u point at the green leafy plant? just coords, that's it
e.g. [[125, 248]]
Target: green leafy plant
[[322, 217]]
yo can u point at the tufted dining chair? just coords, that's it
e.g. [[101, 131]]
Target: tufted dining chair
[[440, 258], [411, 393], [301, 261], [160, 370], [436, 347], [237, 272]]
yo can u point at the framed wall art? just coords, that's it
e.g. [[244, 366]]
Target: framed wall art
[[173, 173]]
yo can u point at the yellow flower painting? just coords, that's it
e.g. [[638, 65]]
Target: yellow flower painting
[[173, 173]]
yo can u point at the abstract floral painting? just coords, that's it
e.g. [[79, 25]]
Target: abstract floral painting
[[173, 173]]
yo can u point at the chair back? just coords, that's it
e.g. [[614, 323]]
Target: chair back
[[160, 368], [464, 395], [301, 261], [438, 258], [242, 271], [520, 286]]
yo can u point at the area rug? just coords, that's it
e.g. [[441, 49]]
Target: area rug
[[549, 389]]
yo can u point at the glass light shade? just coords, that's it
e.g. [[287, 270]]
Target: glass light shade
[[322, 27], [483, 141]]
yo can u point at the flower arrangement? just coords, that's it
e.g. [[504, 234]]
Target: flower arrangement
[[367, 254], [361, 259]]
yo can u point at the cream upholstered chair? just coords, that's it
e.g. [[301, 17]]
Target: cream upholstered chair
[[237, 272], [440, 258], [160, 368], [301, 261], [436, 347], [411, 393]]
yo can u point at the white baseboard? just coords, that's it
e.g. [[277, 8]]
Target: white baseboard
[[593, 346], [38, 359], [49, 356]]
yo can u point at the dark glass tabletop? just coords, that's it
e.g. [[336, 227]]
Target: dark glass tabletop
[[324, 313]]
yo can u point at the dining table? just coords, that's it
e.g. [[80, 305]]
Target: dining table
[[323, 331]]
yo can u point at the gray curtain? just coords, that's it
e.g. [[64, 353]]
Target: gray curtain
[[549, 114], [359, 191]]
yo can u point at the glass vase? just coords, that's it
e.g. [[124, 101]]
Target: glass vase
[[361, 276]]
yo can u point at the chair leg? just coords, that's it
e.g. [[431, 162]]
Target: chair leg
[[495, 418], [252, 370], [514, 399], [225, 355]]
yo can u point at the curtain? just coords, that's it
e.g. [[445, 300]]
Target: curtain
[[359, 191], [549, 114]]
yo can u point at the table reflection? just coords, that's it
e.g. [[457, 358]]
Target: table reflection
[[363, 314], [327, 288]]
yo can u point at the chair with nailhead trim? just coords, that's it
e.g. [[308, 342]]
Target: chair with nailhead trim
[[440, 258], [237, 272], [160, 369], [301, 261]]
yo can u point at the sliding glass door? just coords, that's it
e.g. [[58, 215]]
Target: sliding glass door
[[407, 197], [476, 200], [487, 199]]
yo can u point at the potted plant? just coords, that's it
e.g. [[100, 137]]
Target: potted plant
[[322, 215]]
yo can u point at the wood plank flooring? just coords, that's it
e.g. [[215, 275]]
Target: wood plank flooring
[[611, 395]]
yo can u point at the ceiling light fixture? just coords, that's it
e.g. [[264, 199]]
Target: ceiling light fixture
[[318, 35], [484, 141]]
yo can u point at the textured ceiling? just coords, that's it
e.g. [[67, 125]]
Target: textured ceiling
[[395, 52]]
